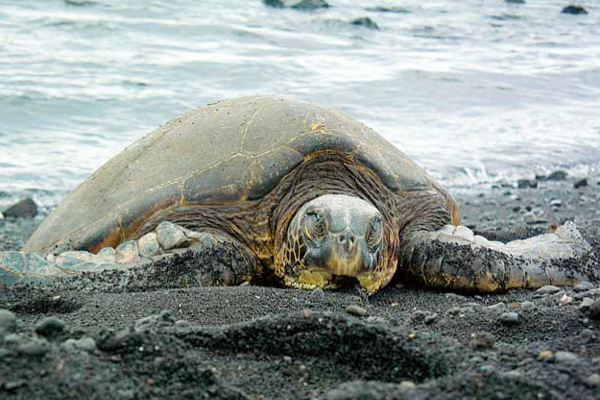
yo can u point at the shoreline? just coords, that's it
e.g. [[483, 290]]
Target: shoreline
[[255, 342]]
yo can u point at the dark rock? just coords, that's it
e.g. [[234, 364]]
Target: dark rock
[[154, 323], [527, 183], [557, 176], [366, 22], [25, 208], [310, 5], [574, 10], [580, 183], [482, 340], [8, 322], [389, 9], [49, 326], [274, 3], [594, 311], [516, 1]]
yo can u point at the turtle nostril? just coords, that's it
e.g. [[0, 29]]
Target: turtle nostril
[[347, 239]]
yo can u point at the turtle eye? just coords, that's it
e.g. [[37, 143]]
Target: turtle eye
[[374, 234], [315, 227]]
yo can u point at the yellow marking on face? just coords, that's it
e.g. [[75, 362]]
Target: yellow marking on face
[[344, 266], [310, 279]]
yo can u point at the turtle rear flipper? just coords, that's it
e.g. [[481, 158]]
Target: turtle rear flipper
[[455, 259]]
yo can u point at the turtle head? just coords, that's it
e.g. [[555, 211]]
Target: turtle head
[[334, 236]]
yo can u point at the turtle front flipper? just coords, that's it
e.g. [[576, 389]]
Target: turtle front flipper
[[169, 256], [455, 259]]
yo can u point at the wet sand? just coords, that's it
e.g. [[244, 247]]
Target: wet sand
[[256, 342]]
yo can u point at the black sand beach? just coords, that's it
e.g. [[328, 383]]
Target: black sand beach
[[274, 343]]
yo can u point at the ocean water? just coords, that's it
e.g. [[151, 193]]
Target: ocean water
[[474, 91]]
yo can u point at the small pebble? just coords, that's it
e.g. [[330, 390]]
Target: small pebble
[[184, 327], [317, 294], [366, 22], [548, 289], [36, 347], [12, 338], [356, 310], [587, 335], [527, 305], [514, 374], [496, 306], [580, 183], [455, 296], [557, 176], [373, 319], [49, 326], [545, 355], [8, 322], [85, 343], [584, 286], [590, 293], [574, 10], [407, 385], [565, 299], [509, 318], [593, 380], [585, 304], [430, 318], [526, 183], [482, 340], [487, 369], [565, 357], [12, 385], [594, 311], [454, 311], [4, 353]]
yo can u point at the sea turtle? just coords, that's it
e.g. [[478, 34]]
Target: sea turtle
[[288, 190]]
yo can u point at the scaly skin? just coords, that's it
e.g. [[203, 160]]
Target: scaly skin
[[453, 259]]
